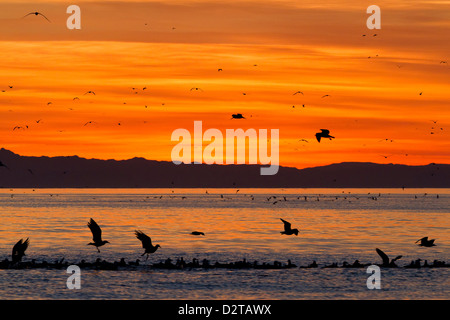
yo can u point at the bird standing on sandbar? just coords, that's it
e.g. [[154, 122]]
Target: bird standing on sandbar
[[96, 235], [287, 229], [146, 243], [324, 134], [19, 250], [424, 242]]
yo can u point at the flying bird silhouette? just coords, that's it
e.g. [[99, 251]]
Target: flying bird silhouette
[[18, 250], [237, 116], [146, 243], [298, 92], [197, 233], [324, 134], [96, 235], [287, 229], [424, 242], [89, 92], [385, 258], [36, 14], [197, 89]]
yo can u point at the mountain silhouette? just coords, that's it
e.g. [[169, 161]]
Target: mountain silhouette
[[76, 172]]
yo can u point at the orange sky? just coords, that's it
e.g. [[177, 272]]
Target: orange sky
[[312, 46]]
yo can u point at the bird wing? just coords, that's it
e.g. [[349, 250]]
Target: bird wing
[[422, 239], [145, 239], [25, 245], [325, 131], [383, 256], [287, 225], [28, 14], [44, 16], [318, 136], [20, 246], [96, 231], [16, 247]]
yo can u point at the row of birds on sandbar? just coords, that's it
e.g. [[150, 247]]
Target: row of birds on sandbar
[[21, 246]]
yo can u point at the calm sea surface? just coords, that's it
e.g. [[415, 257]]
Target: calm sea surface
[[336, 225]]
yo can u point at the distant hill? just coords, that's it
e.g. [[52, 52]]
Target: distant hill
[[76, 172]]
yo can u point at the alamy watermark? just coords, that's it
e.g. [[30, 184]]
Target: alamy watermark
[[374, 281], [73, 281], [237, 142], [374, 21]]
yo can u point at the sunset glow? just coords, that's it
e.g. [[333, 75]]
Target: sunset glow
[[381, 109]]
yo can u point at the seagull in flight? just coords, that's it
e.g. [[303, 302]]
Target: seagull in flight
[[237, 116], [327, 95], [89, 122], [90, 92], [197, 233], [146, 243], [324, 134], [36, 14], [197, 89], [287, 229], [424, 242], [19, 250], [96, 235], [298, 92]]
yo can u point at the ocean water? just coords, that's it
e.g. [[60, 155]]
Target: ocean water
[[336, 225]]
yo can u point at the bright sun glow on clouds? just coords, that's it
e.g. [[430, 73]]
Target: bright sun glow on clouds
[[267, 51]]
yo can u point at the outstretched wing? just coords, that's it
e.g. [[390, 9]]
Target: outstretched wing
[[145, 239], [318, 136], [287, 225], [28, 14], [325, 131], [383, 256], [20, 246], [44, 16], [96, 231]]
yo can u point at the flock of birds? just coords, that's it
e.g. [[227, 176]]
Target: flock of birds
[[18, 252], [325, 133], [21, 246]]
